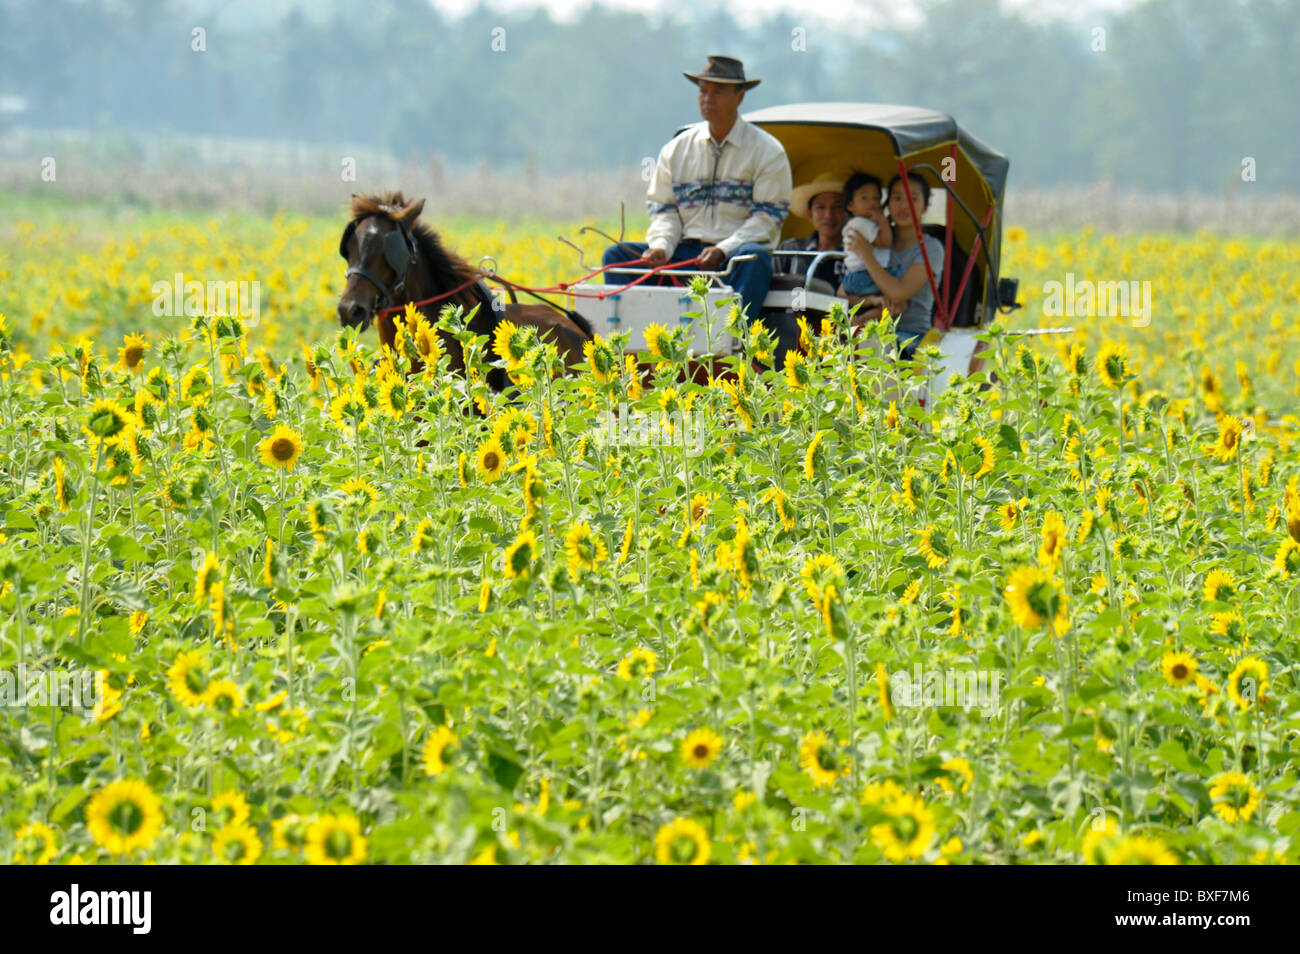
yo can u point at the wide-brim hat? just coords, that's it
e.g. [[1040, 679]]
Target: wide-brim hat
[[723, 69], [801, 197]]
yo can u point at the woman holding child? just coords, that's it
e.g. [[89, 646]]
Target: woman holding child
[[902, 284]]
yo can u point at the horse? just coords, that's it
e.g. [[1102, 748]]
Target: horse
[[393, 258]]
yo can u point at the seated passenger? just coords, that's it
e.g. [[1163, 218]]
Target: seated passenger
[[908, 296], [820, 201]]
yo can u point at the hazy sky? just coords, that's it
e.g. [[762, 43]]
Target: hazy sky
[[859, 14]]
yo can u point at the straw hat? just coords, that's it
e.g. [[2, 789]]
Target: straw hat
[[723, 69], [801, 198]]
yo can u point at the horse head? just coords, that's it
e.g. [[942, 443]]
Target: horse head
[[380, 249]]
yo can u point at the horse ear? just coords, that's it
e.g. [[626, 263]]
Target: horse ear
[[410, 213]]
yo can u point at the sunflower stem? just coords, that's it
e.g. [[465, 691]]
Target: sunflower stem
[[85, 546]]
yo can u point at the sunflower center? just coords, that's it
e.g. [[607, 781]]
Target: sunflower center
[[1042, 598], [338, 844], [126, 816], [826, 758], [235, 850], [683, 849], [132, 356], [1179, 671], [106, 423], [282, 448], [491, 461], [701, 751], [905, 827], [194, 681]]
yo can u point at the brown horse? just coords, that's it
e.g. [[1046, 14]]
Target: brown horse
[[394, 259]]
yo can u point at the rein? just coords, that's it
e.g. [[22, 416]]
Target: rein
[[564, 288]]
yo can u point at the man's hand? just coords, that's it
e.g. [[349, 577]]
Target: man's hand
[[712, 258], [655, 257]]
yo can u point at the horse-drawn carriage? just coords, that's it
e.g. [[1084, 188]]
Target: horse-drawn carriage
[[397, 261], [879, 139]]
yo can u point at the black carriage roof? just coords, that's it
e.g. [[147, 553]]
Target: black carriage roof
[[911, 130]]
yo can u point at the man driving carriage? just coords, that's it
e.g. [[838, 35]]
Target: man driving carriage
[[721, 190]]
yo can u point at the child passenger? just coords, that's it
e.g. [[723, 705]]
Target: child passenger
[[862, 202]]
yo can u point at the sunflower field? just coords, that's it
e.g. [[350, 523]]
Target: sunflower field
[[343, 615]]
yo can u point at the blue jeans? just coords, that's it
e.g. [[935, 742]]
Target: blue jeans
[[750, 280], [860, 283]]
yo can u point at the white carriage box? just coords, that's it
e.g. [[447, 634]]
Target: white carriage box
[[635, 307]]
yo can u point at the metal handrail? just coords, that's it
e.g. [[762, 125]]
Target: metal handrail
[[688, 271]]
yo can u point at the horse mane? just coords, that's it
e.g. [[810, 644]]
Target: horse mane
[[447, 269]]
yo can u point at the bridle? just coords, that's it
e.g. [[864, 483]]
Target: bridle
[[399, 252]]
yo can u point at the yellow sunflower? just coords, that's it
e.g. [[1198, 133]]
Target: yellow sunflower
[[187, 678], [490, 459], [1036, 597], [1225, 448], [61, 490], [517, 560], [224, 696], [583, 550], [1287, 559], [1009, 513], [1235, 798], [1112, 364], [1053, 541], [232, 802], [1219, 585], [107, 420], [236, 844], [209, 573], [1102, 837], [394, 396], [289, 833], [815, 458], [700, 748], [1141, 850], [682, 841], [882, 689], [131, 355], [123, 816], [335, 840], [34, 844], [1179, 668], [438, 749], [797, 375], [987, 456], [639, 664], [1247, 683], [954, 770], [908, 831], [935, 557], [281, 448], [818, 756]]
